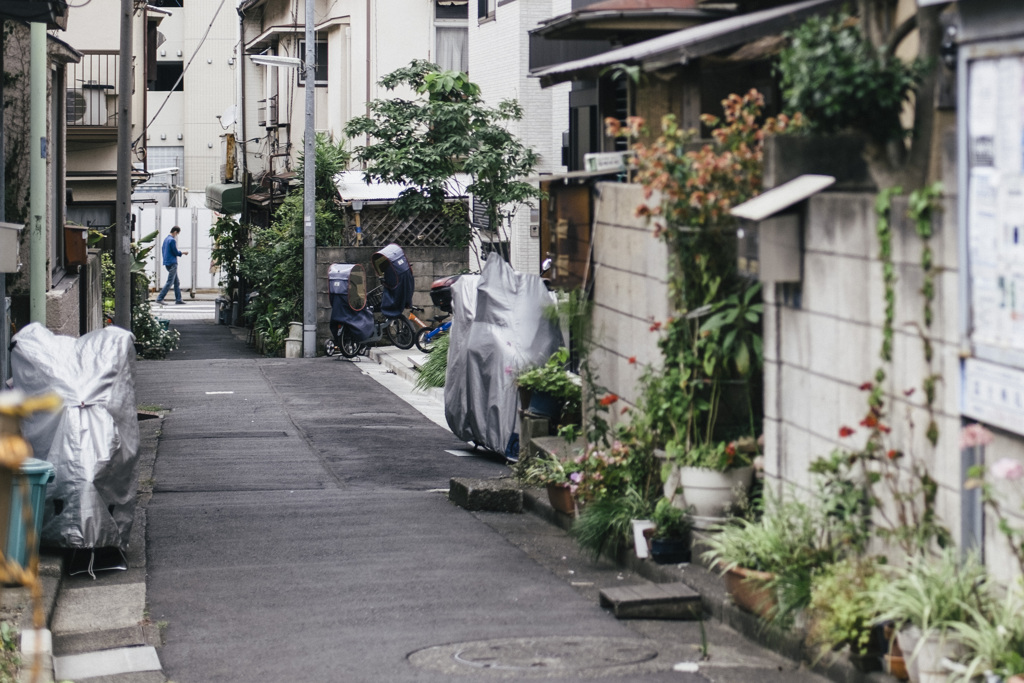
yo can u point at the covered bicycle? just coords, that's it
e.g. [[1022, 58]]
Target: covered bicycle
[[398, 285]]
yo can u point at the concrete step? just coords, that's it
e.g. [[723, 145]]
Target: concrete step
[[101, 617], [491, 495]]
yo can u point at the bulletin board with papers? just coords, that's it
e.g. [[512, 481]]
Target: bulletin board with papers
[[992, 168]]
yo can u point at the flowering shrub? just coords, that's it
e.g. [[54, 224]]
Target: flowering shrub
[[715, 339], [602, 471], [909, 516]]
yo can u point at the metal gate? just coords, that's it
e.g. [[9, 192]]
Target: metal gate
[[195, 271]]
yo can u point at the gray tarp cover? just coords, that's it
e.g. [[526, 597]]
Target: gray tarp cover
[[498, 327], [93, 441]]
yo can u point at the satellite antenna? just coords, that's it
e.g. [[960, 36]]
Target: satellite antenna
[[227, 119]]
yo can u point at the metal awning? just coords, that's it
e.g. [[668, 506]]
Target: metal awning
[[690, 43], [352, 186], [569, 175], [778, 199]]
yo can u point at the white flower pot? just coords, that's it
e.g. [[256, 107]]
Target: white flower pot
[[924, 658], [710, 494]]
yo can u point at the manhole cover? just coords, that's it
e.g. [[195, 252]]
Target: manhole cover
[[537, 656]]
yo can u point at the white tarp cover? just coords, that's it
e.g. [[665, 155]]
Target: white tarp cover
[[498, 327], [93, 441]]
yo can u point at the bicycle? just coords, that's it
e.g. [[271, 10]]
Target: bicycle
[[399, 330], [426, 337], [346, 339]]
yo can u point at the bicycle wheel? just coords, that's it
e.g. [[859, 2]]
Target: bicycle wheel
[[400, 333], [423, 343], [349, 346]]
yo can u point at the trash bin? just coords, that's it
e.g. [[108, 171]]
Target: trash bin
[[38, 473]]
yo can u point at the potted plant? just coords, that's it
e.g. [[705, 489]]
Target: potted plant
[[709, 479], [925, 599], [843, 613], [768, 563], [553, 389], [671, 537], [995, 641], [554, 475]]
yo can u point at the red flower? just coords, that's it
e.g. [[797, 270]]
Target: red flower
[[609, 399], [730, 450], [892, 455], [625, 409], [655, 326], [885, 430], [632, 360], [845, 431], [867, 386], [869, 421]]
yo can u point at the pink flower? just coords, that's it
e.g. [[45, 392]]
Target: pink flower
[[1007, 468], [576, 477], [974, 435]]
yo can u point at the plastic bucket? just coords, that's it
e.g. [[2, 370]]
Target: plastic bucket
[[38, 474]]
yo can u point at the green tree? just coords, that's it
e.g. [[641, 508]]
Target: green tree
[[446, 129], [272, 263]]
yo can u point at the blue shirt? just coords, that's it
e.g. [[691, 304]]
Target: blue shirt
[[170, 251]]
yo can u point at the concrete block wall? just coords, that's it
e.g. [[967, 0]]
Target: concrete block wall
[[428, 264], [630, 290], [63, 307], [818, 353]]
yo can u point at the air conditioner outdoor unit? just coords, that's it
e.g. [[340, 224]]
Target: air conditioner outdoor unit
[[87, 106]]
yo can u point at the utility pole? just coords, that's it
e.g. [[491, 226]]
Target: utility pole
[[37, 174], [122, 236], [309, 196]]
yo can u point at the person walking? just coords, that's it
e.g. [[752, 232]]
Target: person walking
[[171, 254]]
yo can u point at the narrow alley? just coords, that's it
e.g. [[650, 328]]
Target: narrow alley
[[300, 530]]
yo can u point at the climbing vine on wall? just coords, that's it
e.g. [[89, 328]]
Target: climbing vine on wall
[[920, 210]]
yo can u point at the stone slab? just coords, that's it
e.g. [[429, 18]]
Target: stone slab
[[106, 663], [96, 617], [491, 495], [653, 601]]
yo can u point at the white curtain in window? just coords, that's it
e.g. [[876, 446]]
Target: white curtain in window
[[453, 48]]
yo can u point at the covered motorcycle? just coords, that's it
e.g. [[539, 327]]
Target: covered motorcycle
[[346, 288], [93, 441], [393, 268], [499, 326]]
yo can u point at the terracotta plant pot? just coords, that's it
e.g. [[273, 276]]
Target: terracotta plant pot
[[896, 667], [746, 586], [561, 498]]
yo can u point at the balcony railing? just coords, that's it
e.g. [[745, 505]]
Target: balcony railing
[[92, 89]]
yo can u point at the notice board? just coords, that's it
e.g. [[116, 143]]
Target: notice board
[[992, 232]]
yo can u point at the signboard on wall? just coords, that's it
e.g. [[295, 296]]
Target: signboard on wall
[[992, 149], [993, 394], [995, 197]]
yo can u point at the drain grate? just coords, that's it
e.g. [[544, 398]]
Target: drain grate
[[540, 657]]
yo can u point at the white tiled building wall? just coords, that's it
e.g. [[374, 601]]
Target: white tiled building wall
[[499, 57]]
